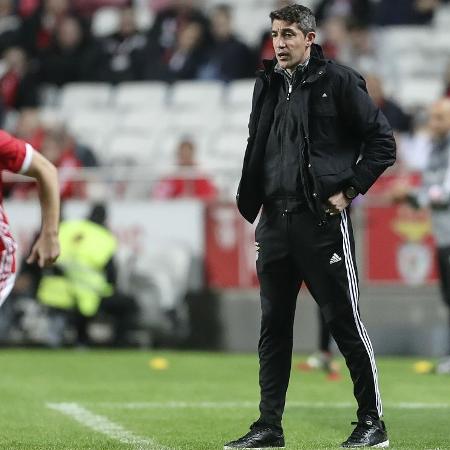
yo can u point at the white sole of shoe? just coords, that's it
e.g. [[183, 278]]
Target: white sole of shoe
[[384, 444], [248, 448]]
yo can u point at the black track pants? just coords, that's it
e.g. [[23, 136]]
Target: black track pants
[[443, 255], [293, 249]]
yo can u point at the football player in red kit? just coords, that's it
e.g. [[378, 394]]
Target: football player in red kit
[[20, 157]]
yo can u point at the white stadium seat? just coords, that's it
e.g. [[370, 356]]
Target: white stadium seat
[[125, 149], [237, 119], [83, 123], [441, 17], [51, 116], [239, 94], [230, 145], [75, 96], [196, 94], [150, 95], [245, 15], [419, 92], [144, 122], [196, 120]]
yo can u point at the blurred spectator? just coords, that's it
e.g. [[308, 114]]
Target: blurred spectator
[[323, 358], [82, 152], [398, 119], [195, 185], [406, 12], [435, 194], [67, 58], [447, 81], [83, 282], [361, 10], [122, 55], [29, 127], [18, 86], [334, 36], [56, 149], [38, 29], [87, 7], [228, 57], [9, 25], [187, 57], [358, 50], [170, 21]]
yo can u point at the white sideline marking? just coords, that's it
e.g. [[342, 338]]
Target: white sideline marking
[[294, 404], [103, 425]]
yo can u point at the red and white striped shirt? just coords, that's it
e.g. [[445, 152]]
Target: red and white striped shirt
[[15, 156]]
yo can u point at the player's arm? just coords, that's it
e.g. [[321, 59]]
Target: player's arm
[[45, 251]]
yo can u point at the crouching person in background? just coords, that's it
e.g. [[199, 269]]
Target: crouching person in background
[[83, 283]]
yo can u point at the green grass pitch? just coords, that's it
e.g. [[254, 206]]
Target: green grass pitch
[[115, 400]]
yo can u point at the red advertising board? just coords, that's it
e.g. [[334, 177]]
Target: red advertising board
[[230, 248], [398, 246], [398, 241]]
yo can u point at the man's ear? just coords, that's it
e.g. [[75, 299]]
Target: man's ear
[[310, 38]]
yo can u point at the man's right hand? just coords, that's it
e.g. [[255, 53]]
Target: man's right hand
[[45, 250]]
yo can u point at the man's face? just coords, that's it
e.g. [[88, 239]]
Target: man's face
[[290, 45], [440, 118]]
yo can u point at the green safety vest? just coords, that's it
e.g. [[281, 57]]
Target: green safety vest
[[86, 249]]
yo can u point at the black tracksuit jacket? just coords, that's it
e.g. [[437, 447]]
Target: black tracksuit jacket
[[344, 139]]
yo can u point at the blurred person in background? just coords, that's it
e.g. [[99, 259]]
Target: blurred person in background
[[83, 283], [397, 118], [316, 141], [18, 84], [182, 185], [435, 194], [122, 56], [323, 358], [68, 58], [359, 48], [447, 81], [55, 148], [38, 29], [406, 12], [228, 57], [359, 10], [188, 56], [10, 23], [170, 21], [20, 157], [334, 37], [29, 127]]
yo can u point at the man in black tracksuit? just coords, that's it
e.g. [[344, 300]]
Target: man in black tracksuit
[[316, 140]]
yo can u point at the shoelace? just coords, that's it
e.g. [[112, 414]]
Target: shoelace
[[361, 430]]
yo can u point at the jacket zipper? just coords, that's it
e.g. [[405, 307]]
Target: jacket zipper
[[288, 97]]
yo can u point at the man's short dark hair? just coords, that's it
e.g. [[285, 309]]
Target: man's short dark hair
[[299, 14]]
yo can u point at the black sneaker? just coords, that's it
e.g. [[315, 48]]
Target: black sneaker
[[259, 436], [368, 433]]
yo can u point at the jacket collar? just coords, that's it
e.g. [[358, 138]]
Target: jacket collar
[[317, 65]]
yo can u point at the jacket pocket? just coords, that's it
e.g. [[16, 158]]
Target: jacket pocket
[[330, 182]]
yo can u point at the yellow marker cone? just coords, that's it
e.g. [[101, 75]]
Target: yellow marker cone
[[159, 363], [423, 367]]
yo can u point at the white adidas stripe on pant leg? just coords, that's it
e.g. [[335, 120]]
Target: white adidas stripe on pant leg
[[354, 295], [351, 274]]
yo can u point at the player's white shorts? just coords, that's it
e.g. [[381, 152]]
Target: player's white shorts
[[6, 287], [7, 274]]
